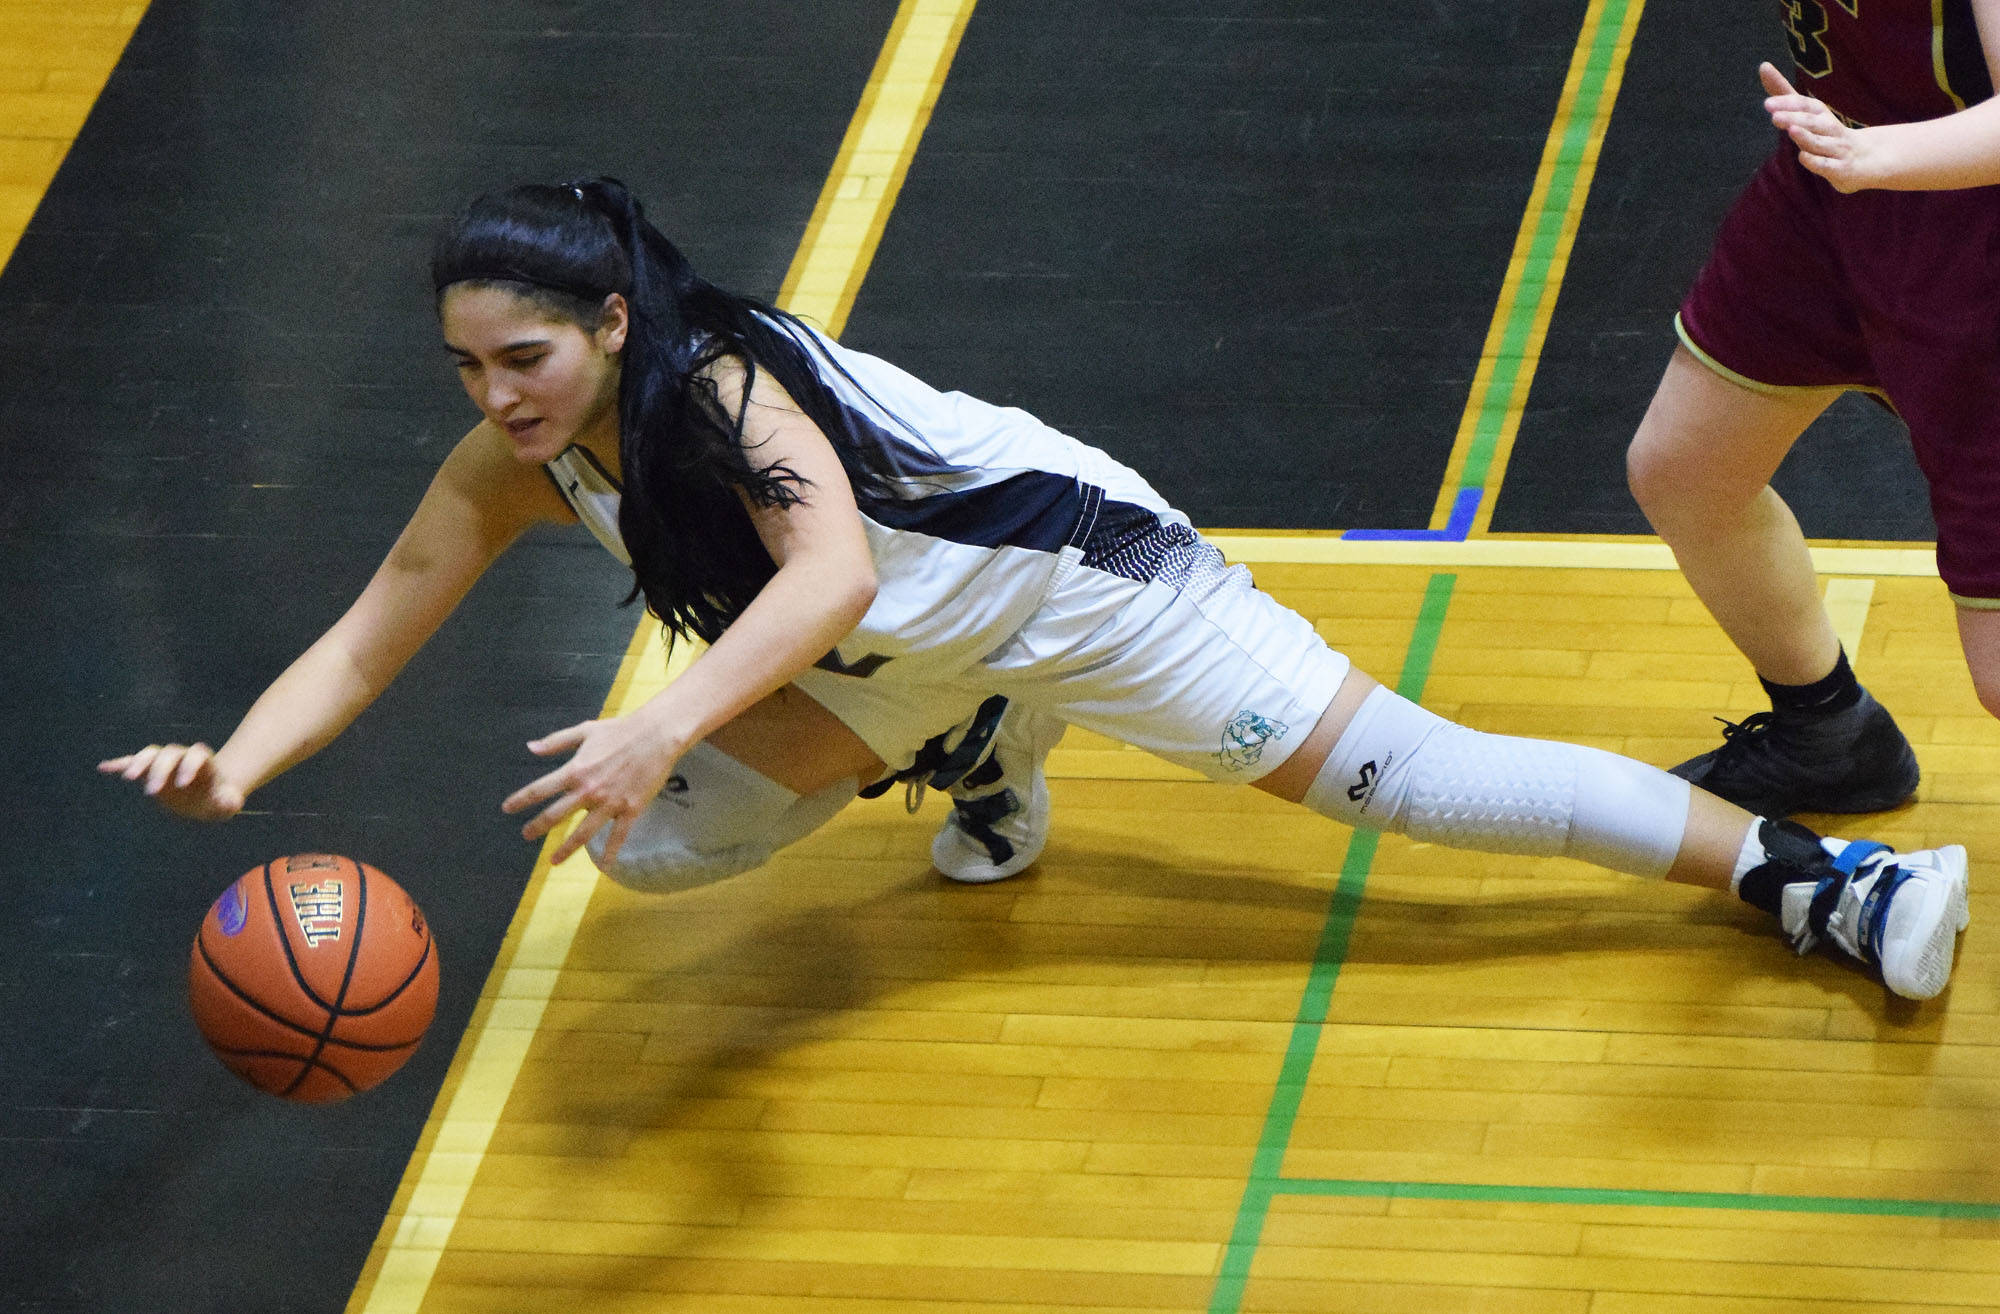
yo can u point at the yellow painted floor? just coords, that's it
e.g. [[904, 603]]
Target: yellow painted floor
[[54, 60], [840, 1083]]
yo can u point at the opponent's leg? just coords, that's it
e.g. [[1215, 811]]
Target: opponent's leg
[[1979, 637], [1700, 467], [768, 778], [1379, 761]]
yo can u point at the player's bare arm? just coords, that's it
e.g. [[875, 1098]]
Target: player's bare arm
[[1942, 154], [479, 502], [823, 586]]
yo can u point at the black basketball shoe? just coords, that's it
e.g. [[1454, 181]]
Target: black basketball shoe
[[1780, 762]]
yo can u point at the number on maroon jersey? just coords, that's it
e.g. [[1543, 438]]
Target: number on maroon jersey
[[1805, 22]]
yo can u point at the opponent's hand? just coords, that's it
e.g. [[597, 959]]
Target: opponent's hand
[[1828, 147], [619, 767], [182, 778]]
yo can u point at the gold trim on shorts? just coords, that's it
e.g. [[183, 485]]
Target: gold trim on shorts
[[1975, 604], [1755, 385]]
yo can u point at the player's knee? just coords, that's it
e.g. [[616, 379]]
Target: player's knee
[[1660, 484], [1401, 768], [666, 863], [715, 818]]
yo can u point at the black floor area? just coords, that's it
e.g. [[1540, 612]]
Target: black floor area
[[1251, 249], [222, 394], [1689, 131]]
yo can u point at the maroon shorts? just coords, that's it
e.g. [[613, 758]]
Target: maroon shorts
[[1895, 292]]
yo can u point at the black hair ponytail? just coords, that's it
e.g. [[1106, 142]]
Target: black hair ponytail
[[696, 557]]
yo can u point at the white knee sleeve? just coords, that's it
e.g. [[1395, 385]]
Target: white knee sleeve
[[715, 818], [1403, 769]]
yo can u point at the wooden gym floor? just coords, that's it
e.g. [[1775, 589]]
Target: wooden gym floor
[[1213, 1053]]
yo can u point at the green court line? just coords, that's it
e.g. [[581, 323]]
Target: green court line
[[1264, 1180], [1584, 1195], [1511, 359]]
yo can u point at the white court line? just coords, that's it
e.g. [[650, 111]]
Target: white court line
[[1638, 554], [846, 226], [499, 1040], [832, 259], [1847, 602]]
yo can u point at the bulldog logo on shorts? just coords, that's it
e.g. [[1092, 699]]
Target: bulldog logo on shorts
[[1243, 739]]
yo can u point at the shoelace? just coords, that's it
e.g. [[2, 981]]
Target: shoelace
[[938, 767], [1740, 737]]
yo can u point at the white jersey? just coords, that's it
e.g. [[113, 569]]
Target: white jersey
[[593, 494], [988, 508]]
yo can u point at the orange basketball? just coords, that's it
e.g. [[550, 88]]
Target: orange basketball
[[313, 977]]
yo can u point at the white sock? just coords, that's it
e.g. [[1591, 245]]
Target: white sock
[[1749, 857]]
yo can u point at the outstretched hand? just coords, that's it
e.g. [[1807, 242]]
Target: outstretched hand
[[1827, 146], [619, 767], [182, 778]]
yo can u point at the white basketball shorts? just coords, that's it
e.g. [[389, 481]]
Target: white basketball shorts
[[1191, 662]]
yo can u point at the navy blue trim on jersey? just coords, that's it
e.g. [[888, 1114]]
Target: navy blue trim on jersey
[[1125, 540], [909, 456], [910, 459], [1032, 509], [1135, 542]]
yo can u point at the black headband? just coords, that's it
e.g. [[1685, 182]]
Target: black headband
[[508, 274]]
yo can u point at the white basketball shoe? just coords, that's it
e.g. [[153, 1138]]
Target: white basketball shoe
[[1900, 913], [999, 818]]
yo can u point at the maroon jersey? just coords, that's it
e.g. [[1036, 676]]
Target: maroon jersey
[[1887, 61]]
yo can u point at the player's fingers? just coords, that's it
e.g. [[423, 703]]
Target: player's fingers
[[550, 817], [1810, 114], [1841, 176], [136, 764], [1833, 170], [616, 839], [1817, 143], [162, 768], [193, 764], [537, 791], [580, 834], [1774, 81], [1776, 105], [562, 741]]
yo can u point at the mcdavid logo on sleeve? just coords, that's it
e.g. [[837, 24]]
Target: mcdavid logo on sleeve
[[1368, 779]]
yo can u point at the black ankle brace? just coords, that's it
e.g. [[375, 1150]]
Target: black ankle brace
[[1792, 853], [986, 773]]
